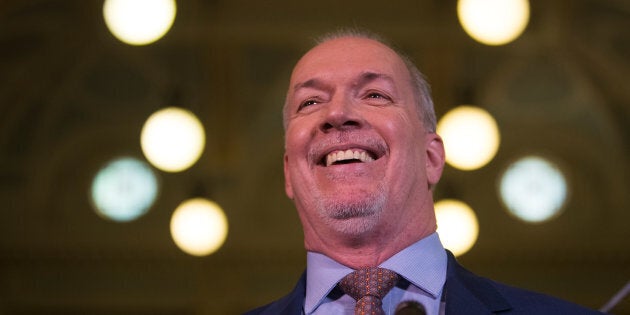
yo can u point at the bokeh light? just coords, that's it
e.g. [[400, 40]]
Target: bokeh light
[[471, 137], [533, 189], [457, 225], [139, 22], [124, 189], [199, 227], [172, 139], [493, 22]]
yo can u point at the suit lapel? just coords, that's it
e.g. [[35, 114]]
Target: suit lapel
[[466, 293]]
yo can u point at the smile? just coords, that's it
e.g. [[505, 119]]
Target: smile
[[348, 156]]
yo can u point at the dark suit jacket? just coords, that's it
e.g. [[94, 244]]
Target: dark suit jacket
[[465, 293]]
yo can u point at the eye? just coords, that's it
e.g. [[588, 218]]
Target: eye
[[376, 98], [307, 103], [375, 95]]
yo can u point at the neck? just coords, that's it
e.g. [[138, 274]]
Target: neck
[[368, 249]]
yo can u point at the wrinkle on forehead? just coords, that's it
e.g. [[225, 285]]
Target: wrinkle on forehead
[[362, 79]]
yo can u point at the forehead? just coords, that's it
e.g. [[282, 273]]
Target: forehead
[[349, 56]]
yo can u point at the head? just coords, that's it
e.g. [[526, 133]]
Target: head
[[361, 153]]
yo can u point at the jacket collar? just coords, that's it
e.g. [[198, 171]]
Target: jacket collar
[[467, 293]]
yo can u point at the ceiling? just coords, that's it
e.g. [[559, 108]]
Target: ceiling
[[73, 97]]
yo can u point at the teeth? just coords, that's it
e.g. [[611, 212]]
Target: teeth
[[348, 155]]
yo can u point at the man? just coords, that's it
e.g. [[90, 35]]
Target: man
[[361, 159]]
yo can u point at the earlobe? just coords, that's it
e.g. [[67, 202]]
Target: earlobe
[[435, 158], [287, 178]]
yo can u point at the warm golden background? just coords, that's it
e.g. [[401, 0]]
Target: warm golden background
[[72, 97]]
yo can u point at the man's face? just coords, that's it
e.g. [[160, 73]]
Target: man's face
[[357, 157]]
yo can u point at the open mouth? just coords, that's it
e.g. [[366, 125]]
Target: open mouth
[[348, 156]]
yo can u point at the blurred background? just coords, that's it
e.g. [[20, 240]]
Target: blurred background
[[75, 99]]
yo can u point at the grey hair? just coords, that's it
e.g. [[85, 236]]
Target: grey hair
[[421, 88]]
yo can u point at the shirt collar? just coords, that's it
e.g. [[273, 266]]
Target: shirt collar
[[322, 275], [423, 264]]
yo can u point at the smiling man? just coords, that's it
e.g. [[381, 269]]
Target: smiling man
[[361, 159]]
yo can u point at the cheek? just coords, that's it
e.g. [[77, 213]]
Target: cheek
[[402, 132], [299, 133], [405, 137], [293, 138]]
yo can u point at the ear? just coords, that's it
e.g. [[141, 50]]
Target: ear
[[287, 178], [435, 158]]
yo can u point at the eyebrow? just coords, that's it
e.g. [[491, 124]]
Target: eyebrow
[[312, 83]]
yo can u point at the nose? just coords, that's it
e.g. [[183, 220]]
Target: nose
[[340, 114]]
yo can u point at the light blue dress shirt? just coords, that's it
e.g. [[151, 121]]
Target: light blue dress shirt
[[423, 265]]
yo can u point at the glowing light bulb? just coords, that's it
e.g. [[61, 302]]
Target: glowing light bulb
[[199, 227], [457, 225], [471, 137], [139, 22], [533, 189], [124, 189], [493, 22], [172, 139]]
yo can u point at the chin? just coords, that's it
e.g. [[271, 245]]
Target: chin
[[356, 226], [352, 216]]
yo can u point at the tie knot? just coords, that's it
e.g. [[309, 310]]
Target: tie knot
[[369, 281]]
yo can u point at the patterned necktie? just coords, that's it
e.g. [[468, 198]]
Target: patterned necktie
[[368, 286]]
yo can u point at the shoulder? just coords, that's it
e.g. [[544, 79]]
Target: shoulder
[[292, 303], [465, 290], [529, 302]]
